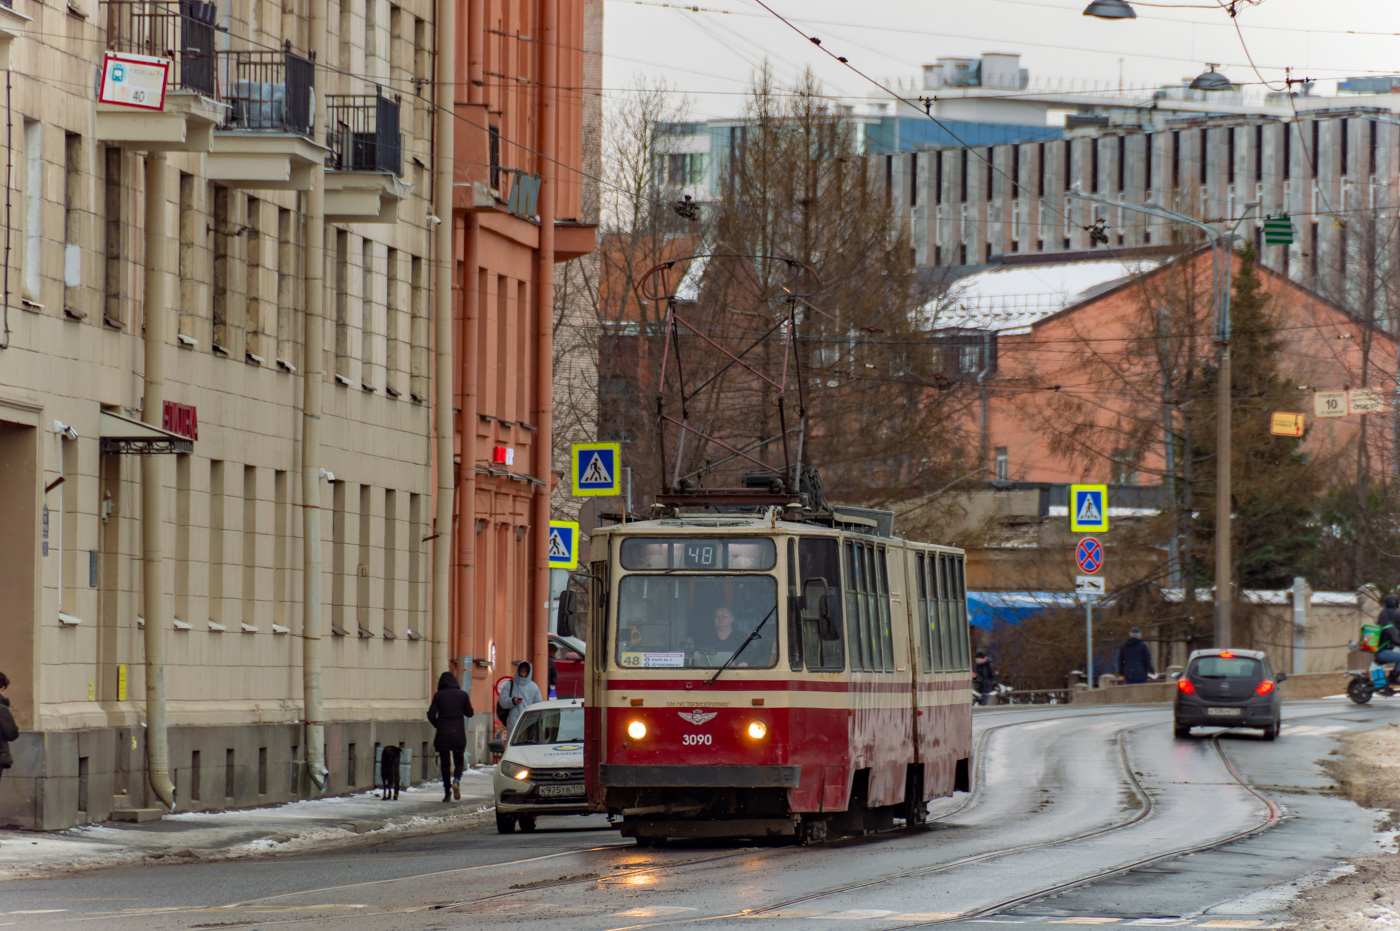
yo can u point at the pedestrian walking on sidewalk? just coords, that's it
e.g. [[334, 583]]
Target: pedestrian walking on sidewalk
[[518, 694], [448, 715], [1134, 659], [8, 729]]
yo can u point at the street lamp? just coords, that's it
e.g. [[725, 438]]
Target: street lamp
[[1211, 80], [1110, 9], [1220, 281]]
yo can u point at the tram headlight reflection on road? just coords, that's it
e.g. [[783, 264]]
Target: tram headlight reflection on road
[[758, 730], [636, 730]]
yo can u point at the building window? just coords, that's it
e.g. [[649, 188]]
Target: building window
[[1002, 464], [288, 291], [185, 252], [371, 331], [217, 522], [73, 179], [262, 314], [418, 330], [223, 260], [33, 210], [114, 265], [342, 306]]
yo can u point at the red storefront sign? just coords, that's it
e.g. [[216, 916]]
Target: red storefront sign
[[181, 419]]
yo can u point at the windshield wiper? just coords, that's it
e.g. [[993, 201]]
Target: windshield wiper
[[747, 640]]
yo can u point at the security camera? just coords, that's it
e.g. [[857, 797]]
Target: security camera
[[328, 476], [64, 431], [434, 219]]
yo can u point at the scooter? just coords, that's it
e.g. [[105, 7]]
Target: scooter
[[1362, 685]]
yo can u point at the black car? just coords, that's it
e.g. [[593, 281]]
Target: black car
[[1228, 688]]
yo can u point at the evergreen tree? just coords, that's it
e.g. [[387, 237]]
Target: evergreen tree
[[1274, 489]]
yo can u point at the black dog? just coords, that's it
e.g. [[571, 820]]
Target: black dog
[[389, 771]]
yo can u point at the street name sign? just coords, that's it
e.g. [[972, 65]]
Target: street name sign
[[563, 544], [1286, 424], [596, 468], [1088, 508]]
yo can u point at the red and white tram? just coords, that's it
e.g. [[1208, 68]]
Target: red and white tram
[[755, 677]]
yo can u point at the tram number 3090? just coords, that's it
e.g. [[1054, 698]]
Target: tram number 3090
[[696, 740]]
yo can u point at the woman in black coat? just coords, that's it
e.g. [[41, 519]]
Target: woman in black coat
[[448, 714]]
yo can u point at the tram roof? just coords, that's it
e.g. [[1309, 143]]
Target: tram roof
[[756, 523]]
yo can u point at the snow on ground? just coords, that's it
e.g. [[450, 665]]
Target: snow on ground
[[247, 831]]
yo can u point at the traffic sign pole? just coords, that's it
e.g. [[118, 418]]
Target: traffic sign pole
[[1089, 642]]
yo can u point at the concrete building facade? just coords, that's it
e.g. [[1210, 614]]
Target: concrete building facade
[[168, 271]]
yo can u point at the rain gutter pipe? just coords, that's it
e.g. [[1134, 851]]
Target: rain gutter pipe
[[313, 382], [152, 482]]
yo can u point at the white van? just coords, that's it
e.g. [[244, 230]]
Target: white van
[[541, 771]]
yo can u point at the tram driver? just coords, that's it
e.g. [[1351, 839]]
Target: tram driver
[[721, 639]]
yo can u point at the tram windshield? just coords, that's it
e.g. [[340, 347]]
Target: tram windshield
[[697, 621]]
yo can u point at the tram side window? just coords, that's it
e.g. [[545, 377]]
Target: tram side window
[[921, 590], [882, 601], [818, 561], [958, 593], [867, 603], [946, 656], [794, 637]]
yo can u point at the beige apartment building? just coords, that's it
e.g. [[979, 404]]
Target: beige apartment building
[[161, 268]]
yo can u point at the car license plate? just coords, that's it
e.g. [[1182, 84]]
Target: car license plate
[[560, 790], [1224, 712]]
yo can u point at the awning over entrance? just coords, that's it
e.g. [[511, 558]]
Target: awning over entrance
[[122, 435]]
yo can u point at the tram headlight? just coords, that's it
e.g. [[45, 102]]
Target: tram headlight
[[758, 730], [636, 730]]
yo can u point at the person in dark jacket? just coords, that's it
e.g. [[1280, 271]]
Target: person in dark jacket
[[448, 715], [8, 729], [1134, 659], [1388, 647], [984, 676]]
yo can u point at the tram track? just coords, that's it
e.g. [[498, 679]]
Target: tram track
[[1273, 814], [1146, 807]]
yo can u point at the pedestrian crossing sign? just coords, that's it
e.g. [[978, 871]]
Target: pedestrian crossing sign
[[595, 468], [563, 544], [1088, 508]]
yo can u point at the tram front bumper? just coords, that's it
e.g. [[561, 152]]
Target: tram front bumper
[[695, 777]]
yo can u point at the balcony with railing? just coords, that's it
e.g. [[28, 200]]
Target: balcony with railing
[[366, 158], [265, 139], [182, 33]]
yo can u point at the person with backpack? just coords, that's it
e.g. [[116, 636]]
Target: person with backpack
[[516, 695], [1388, 645]]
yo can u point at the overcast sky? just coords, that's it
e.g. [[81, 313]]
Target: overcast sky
[[710, 54]]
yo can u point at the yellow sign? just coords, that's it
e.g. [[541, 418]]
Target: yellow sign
[[563, 544], [596, 468], [1286, 425], [1088, 508], [121, 682]]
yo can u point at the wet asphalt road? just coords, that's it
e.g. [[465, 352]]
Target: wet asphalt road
[[1088, 816]]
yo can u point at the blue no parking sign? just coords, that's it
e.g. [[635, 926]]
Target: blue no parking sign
[[1089, 555]]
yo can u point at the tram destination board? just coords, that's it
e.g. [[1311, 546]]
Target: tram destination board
[[698, 553]]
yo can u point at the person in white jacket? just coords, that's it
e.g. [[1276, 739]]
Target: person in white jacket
[[518, 694]]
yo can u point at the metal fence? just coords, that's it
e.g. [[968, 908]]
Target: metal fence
[[269, 90], [180, 30], [362, 132]]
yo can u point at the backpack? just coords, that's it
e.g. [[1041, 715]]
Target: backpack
[[503, 714]]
